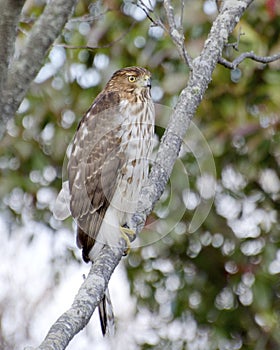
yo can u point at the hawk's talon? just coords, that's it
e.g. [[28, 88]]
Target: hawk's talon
[[125, 233]]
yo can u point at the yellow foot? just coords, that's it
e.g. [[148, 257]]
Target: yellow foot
[[126, 232]]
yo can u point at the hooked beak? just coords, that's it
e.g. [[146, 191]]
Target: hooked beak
[[147, 81]]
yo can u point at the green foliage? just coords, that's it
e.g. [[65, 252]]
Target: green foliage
[[222, 279]]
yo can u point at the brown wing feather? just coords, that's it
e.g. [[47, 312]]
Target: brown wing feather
[[93, 167]]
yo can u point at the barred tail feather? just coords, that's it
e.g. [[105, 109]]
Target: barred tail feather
[[106, 315]]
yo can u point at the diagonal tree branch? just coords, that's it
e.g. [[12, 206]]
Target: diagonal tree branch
[[93, 288], [189, 100], [24, 69], [85, 302]]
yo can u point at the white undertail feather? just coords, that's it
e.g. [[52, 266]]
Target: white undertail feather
[[61, 208]]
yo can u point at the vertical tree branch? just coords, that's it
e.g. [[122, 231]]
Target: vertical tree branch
[[10, 12], [24, 69], [177, 32]]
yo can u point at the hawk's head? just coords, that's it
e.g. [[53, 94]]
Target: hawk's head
[[130, 80]]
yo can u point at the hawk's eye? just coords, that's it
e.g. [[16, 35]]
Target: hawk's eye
[[131, 79]]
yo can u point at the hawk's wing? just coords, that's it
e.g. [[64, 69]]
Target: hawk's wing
[[94, 165]]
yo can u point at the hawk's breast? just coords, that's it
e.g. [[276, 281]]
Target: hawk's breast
[[137, 134]]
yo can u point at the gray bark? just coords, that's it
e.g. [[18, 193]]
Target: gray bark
[[23, 69], [10, 12], [91, 292], [85, 302]]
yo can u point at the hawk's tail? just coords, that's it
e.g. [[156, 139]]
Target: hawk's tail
[[106, 315]]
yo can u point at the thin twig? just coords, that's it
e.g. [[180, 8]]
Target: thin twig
[[87, 47], [182, 14], [236, 43], [88, 18], [169, 10], [177, 33], [147, 10], [262, 59]]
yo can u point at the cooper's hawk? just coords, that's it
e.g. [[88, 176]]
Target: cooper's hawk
[[109, 162]]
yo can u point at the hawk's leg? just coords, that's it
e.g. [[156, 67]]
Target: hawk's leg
[[126, 232]]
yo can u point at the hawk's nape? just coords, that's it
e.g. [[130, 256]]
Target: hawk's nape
[[109, 162]]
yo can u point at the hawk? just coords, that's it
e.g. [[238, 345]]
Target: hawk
[[109, 163]]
